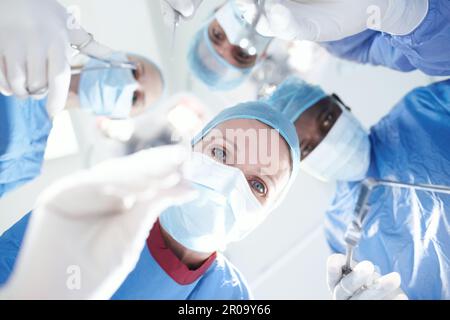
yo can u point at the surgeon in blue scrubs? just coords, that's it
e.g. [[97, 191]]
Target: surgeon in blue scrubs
[[426, 48], [25, 124], [181, 259], [405, 231]]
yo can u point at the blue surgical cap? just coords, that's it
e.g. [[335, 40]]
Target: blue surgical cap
[[259, 111], [212, 69], [294, 96]]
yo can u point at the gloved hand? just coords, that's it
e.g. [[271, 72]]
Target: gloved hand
[[171, 8], [88, 229], [363, 283], [35, 39], [329, 20]]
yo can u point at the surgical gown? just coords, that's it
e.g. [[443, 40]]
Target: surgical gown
[[158, 274], [405, 231], [427, 48], [24, 129]]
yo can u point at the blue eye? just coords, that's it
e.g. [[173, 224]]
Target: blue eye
[[219, 154], [259, 187]]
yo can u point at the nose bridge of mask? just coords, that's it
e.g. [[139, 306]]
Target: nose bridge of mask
[[228, 181], [205, 171], [124, 99], [122, 79], [111, 89]]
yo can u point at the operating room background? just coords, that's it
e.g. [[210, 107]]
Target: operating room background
[[285, 257]]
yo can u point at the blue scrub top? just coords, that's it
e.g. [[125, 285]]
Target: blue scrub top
[[405, 231], [219, 281], [24, 129], [427, 48]]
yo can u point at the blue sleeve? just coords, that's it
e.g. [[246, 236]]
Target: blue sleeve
[[10, 243], [370, 47], [24, 129], [222, 281], [339, 214], [432, 100], [427, 48]]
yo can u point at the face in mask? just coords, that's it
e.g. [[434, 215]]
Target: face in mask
[[225, 210], [239, 32], [344, 153], [224, 52], [107, 91]]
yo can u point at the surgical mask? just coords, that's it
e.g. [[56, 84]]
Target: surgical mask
[[211, 68], [344, 153], [225, 210], [107, 91], [239, 32]]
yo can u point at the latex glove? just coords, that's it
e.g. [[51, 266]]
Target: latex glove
[[328, 20], [35, 39], [88, 230], [171, 9], [363, 283]]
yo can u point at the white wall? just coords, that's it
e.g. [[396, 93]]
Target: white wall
[[285, 257]]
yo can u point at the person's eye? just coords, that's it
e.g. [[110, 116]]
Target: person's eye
[[135, 98], [307, 150], [243, 54], [258, 186], [328, 121], [218, 35], [219, 154], [137, 72]]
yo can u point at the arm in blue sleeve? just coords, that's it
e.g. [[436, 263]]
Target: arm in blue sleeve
[[24, 129], [434, 98], [370, 47], [441, 93], [10, 243]]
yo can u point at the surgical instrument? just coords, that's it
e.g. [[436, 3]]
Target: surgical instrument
[[108, 62], [354, 230]]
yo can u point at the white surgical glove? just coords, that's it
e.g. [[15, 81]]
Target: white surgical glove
[[88, 229], [171, 8], [35, 39], [329, 20], [363, 283]]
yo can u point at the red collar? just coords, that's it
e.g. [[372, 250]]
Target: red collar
[[170, 263]]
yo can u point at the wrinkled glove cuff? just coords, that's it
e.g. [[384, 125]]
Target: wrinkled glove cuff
[[403, 16]]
